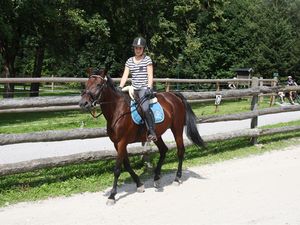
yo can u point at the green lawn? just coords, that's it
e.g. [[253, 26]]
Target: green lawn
[[45, 90], [33, 122], [227, 107]]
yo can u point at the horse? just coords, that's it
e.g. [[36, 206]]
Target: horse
[[115, 107]]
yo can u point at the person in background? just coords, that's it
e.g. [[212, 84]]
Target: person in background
[[291, 82], [141, 69]]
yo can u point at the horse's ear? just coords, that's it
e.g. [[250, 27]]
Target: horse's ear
[[89, 71], [104, 71], [107, 66]]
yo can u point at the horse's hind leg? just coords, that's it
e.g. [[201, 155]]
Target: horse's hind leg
[[180, 154], [139, 184], [162, 151]]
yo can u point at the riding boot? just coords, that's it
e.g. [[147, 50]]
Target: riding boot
[[149, 118]]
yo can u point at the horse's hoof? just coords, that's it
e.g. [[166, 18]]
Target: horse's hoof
[[141, 189], [110, 202], [157, 183], [177, 181]]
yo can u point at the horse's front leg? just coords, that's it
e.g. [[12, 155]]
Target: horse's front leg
[[117, 171], [134, 176]]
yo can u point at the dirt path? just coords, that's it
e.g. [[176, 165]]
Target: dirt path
[[262, 189]]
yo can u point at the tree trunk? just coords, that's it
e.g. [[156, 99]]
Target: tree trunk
[[9, 57], [37, 70], [8, 88]]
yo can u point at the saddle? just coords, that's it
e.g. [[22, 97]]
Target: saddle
[[156, 108]]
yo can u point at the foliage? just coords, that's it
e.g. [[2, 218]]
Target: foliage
[[186, 38]]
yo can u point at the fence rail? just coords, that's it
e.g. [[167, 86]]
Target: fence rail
[[83, 80], [254, 132], [84, 133], [166, 81], [26, 166], [71, 102]]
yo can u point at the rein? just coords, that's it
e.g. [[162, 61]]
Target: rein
[[93, 114], [100, 103]]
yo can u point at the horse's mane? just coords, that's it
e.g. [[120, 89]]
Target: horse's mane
[[111, 84]]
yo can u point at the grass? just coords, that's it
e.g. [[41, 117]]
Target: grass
[[45, 90], [97, 176], [33, 122], [227, 107]]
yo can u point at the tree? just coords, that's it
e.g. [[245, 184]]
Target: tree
[[275, 38], [11, 30]]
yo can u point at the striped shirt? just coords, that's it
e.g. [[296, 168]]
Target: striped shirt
[[139, 72]]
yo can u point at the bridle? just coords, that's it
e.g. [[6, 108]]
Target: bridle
[[97, 96]]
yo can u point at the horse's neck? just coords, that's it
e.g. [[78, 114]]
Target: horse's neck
[[110, 104]]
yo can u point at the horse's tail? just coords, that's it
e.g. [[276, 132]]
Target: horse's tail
[[191, 123]]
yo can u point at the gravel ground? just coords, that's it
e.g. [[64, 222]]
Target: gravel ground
[[262, 189]]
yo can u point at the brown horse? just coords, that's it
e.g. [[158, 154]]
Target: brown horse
[[121, 129]]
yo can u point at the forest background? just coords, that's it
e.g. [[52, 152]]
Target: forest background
[[186, 38]]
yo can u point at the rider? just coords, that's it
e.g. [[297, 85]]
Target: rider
[[291, 82], [141, 69]]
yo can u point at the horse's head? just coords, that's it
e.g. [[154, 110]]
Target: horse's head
[[93, 89]]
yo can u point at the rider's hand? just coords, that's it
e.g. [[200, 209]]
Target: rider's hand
[[149, 91], [119, 88]]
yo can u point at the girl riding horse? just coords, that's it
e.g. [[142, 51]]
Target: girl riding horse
[[121, 129], [141, 69]]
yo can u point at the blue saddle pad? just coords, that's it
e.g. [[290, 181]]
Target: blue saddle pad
[[156, 108]]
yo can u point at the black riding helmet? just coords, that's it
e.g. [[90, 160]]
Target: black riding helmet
[[139, 42]]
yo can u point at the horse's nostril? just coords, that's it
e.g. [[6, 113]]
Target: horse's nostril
[[83, 104]]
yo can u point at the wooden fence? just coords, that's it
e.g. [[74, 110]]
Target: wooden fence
[[50, 104], [253, 132]]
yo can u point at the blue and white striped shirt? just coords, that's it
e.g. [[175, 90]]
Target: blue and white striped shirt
[[139, 72]]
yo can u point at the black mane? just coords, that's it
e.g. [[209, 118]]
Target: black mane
[[111, 84]]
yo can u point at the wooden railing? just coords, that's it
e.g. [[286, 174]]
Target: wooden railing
[[254, 132]]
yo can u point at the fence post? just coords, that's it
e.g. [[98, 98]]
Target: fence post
[[217, 89], [261, 84], [52, 85], [273, 84], [254, 102], [167, 85]]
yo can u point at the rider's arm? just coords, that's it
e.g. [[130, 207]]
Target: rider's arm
[[124, 77], [150, 75]]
